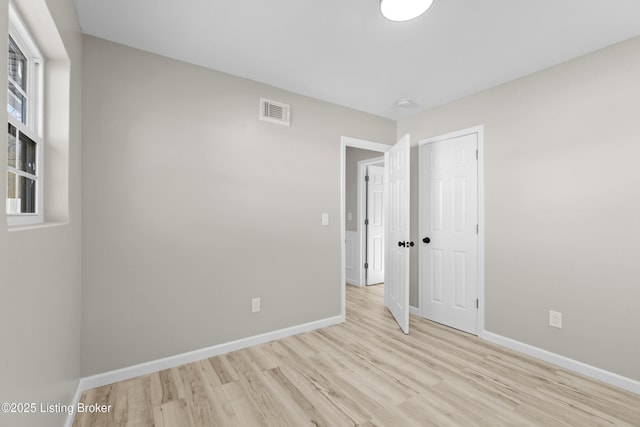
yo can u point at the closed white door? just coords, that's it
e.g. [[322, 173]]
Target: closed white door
[[397, 244], [375, 225], [448, 232]]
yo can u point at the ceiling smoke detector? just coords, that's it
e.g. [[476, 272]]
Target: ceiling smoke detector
[[404, 103]]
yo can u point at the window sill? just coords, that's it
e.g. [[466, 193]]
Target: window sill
[[26, 227]]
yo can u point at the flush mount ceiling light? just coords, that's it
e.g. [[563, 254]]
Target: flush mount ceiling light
[[403, 10]]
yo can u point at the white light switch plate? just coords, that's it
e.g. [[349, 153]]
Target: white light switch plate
[[325, 219]]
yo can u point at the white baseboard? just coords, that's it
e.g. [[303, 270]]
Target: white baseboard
[[564, 362], [111, 377], [415, 311], [74, 402]]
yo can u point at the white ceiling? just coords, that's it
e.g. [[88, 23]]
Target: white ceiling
[[343, 51]]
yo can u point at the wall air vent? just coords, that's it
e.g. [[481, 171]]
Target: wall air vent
[[274, 112]]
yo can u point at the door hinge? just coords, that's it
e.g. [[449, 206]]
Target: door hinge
[[366, 222], [477, 228], [366, 265], [366, 178], [477, 303], [476, 154]]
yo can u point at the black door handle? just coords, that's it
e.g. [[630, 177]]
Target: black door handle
[[411, 244], [406, 244], [426, 240], [401, 244]]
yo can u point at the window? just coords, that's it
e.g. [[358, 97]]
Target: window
[[24, 107]]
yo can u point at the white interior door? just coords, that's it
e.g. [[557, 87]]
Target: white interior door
[[397, 244], [375, 225], [449, 231]]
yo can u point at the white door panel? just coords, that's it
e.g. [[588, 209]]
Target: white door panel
[[375, 228], [449, 218], [397, 249]]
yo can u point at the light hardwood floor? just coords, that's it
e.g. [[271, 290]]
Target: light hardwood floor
[[365, 372]]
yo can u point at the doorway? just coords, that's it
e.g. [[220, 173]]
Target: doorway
[[357, 163], [351, 248], [451, 254], [396, 214], [371, 220]]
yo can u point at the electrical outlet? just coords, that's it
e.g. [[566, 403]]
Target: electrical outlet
[[555, 319], [255, 305]]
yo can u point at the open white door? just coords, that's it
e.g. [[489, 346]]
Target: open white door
[[397, 241], [375, 225]]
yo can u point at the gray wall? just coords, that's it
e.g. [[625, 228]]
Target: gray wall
[[562, 204], [354, 155], [191, 207], [40, 267]]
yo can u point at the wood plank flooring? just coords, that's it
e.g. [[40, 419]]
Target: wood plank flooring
[[365, 372]]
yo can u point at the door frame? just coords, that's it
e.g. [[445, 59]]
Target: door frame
[[345, 142], [422, 170], [362, 170]]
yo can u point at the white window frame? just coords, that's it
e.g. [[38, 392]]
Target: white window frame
[[34, 116]]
